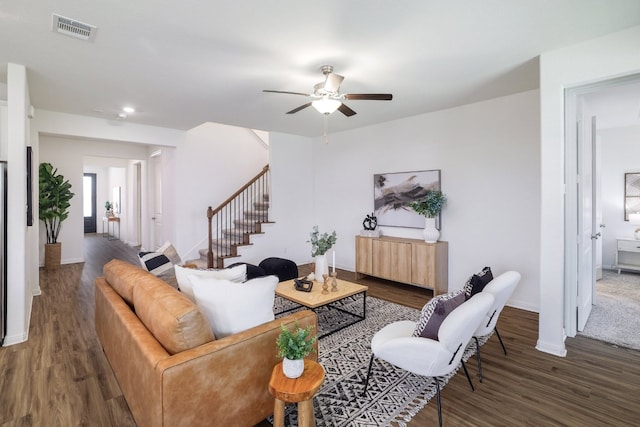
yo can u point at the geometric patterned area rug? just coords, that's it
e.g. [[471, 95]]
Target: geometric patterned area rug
[[393, 396]]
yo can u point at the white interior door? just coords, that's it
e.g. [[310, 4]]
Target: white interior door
[[158, 231], [586, 220], [599, 225]]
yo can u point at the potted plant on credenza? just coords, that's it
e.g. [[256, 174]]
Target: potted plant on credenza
[[54, 203], [430, 206]]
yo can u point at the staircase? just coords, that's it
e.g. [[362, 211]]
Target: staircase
[[232, 224]]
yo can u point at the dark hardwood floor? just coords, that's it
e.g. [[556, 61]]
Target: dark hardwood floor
[[60, 377]]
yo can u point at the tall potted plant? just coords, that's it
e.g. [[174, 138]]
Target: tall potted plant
[[54, 203], [430, 206], [320, 244]]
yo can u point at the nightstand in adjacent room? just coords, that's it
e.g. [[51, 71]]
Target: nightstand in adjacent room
[[627, 254]]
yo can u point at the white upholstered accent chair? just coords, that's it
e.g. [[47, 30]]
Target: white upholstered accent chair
[[501, 288], [434, 358]]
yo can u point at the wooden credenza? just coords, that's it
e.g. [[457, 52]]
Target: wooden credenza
[[410, 261]]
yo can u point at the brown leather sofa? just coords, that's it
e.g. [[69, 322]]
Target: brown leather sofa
[[171, 369]]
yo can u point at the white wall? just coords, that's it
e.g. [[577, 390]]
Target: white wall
[[4, 134], [213, 163], [489, 159], [292, 202], [110, 172], [620, 155], [68, 156], [599, 59], [19, 295]]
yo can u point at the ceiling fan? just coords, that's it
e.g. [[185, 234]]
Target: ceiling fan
[[328, 97]]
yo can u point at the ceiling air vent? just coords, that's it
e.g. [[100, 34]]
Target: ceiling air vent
[[73, 28]]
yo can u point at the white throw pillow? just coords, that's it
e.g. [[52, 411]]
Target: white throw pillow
[[236, 274], [235, 307]]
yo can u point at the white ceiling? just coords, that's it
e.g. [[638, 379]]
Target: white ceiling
[[182, 63]]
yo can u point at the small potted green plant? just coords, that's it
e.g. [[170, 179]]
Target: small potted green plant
[[430, 206], [320, 244], [108, 207], [293, 346]]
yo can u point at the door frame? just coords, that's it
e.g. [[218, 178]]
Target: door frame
[[570, 197]]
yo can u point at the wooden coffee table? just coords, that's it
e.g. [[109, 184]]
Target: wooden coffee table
[[316, 299]]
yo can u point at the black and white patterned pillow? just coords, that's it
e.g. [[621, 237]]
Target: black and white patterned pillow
[[477, 282], [435, 311], [160, 263]]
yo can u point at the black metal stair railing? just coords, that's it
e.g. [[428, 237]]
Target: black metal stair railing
[[241, 215]]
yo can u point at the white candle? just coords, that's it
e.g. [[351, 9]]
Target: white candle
[[334, 261]]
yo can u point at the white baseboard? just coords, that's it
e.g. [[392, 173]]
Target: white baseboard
[[24, 336], [14, 339], [556, 350], [66, 261]]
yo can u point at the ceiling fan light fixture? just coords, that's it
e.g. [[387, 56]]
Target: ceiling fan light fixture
[[326, 105]]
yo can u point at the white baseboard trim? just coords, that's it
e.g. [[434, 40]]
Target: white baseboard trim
[[554, 349], [24, 335], [14, 339], [66, 261]]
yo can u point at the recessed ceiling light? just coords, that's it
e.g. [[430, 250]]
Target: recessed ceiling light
[[129, 110], [122, 115]]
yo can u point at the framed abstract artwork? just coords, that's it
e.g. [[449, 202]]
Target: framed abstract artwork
[[393, 192]]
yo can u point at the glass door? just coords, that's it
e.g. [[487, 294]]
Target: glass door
[[89, 202]]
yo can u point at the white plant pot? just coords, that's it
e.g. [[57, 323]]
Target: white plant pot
[[321, 267], [292, 368], [430, 232]]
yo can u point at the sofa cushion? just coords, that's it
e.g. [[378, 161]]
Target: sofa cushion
[[123, 277], [234, 307], [435, 311], [171, 318], [477, 282], [236, 274]]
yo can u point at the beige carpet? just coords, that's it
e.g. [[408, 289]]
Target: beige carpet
[[616, 316]]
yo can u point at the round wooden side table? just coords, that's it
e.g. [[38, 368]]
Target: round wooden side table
[[299, 390]]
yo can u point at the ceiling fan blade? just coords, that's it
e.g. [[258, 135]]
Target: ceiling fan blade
[[346, 110], [369, 96], [332, 82], [302, 107], [287, 92]]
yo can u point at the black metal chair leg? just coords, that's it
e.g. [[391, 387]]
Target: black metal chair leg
[[478, 358], [501, 343], [366, 382], [439, 403], [467, 374]]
